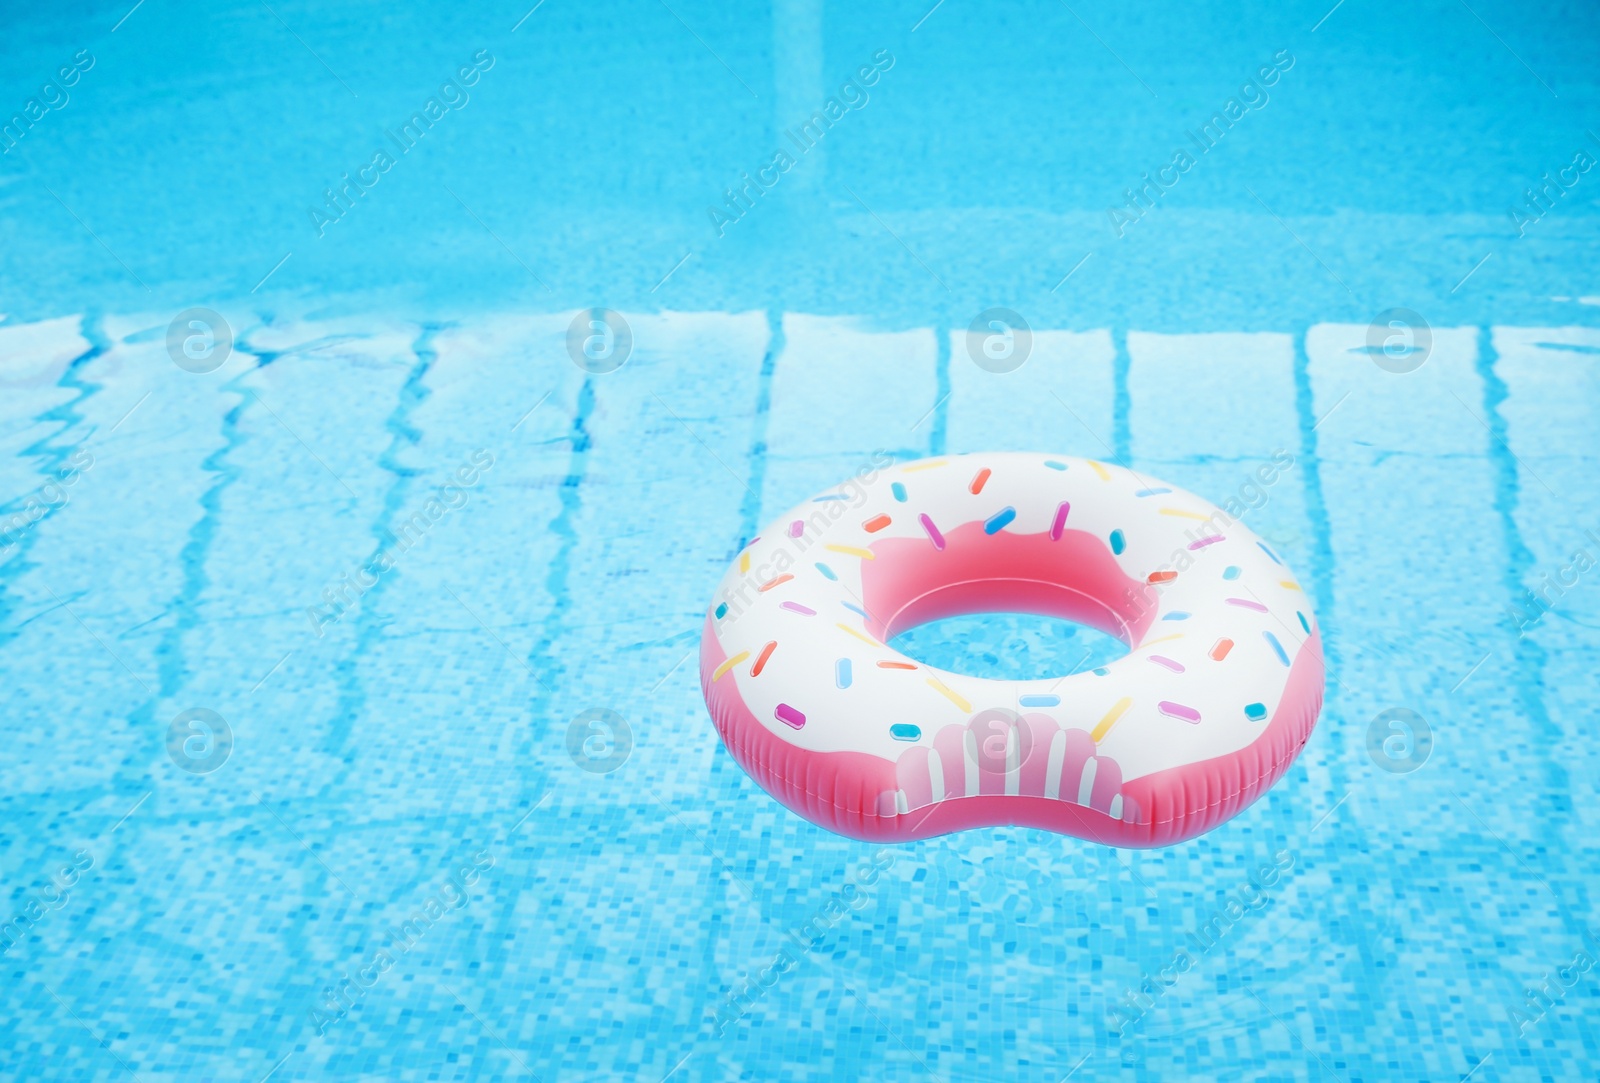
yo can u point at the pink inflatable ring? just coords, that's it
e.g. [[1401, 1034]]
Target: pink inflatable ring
[[1218, 693]]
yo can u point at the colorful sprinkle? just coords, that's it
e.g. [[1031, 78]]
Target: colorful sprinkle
[[1178, 710], [856, 609], [1181, 514], [1109, 719], [744, 562], [761, 659], [932, 531], [1118, 542], [796, 607], [776, 581], [1161, 577], [1101, 671], [1162, 660], [858, 635], [841, 673], [717, 674], [1059, 523], [896, 665], [1277, 648], [899, 491], [979, 480], [1303, 622], [1054, 465], [1255, 712], [1269, 552], [1163, 639], [1151, 492], [876, 523], [830, 496], [1176, 614], [797, 528], [1203, 542], [1220, 649], [997, 522], [905, 731], [925, 466], [1231, 572], [1245, 603], [1289, 583], [789, 716], [827, 571], [1098, 469], [722, 610], [1039, 701], [852, 551], [950, 694]]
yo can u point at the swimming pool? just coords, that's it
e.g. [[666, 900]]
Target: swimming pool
[[352, 714]]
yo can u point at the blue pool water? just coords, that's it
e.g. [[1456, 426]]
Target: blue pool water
[[475, 823]]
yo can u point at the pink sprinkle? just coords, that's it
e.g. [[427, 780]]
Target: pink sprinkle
[[933, 532], [1203, 542], [798, 527], [1060, 523], [1244, 604], [1178, 710], [791, 717], [1176, 667], [796, 607]]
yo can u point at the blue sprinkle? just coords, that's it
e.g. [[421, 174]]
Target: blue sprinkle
[[827, 571], [1101, 672], [1277, 647], [1269, 552], [1255, 712], [1118, 542], [722, 610], [998, 520], [1177, 615], [899, 491], [1231, 572], [1151, 492], [855, 609], [1303, 622], [905, 731], [1040, 701], [1052, 464], [841, 673], [834, 496]]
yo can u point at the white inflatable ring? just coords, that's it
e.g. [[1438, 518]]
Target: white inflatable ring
[[1219, 691]]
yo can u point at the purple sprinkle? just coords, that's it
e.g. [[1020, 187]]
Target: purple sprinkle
[[1244, 604], [1176, 667], [796, 607], [1177, 710], [933, 531], [798, 527], [1060, 522], [1203, 542], [791, 717]]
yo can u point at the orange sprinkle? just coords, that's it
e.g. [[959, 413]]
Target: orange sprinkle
[[978, 481], [876, 523], [1220, 649], [761, 659], [770, 583], [1158, 577], [896, 665]]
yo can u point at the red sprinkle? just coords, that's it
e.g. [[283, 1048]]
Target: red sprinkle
[[896, 665], [761, 660], [978, 481], [770, 583], [876, 523], [1220, 649], [1162, 577]]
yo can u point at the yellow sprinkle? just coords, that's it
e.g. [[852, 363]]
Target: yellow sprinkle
[[948, 693], [1118, 709], [1290, 583], [1163, 639], [1098, 469], [924, 466], [1180, 513], [852, 551], [858, 635], [716, 674], [744, 562]]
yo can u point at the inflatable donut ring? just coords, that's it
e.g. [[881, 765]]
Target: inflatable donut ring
[[1218, 693]]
